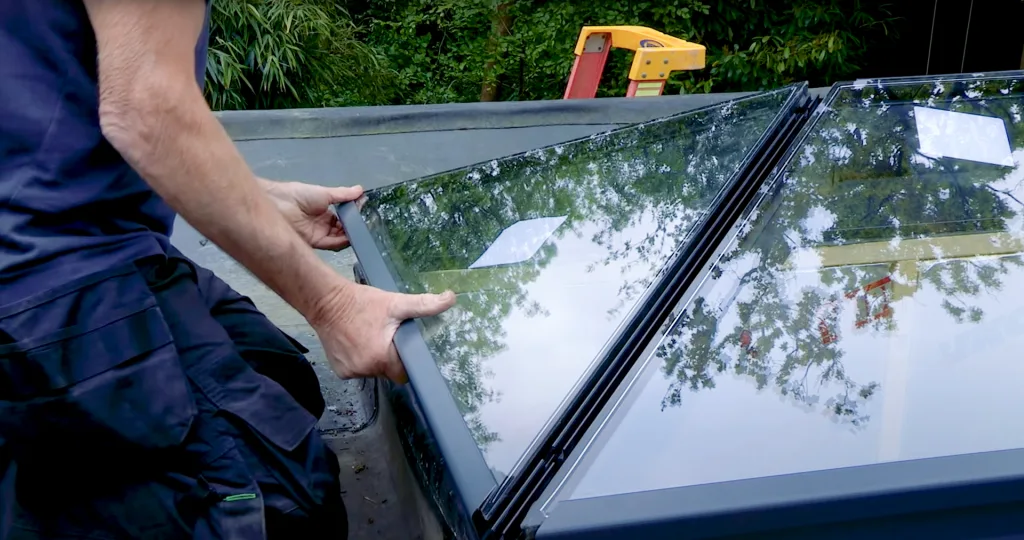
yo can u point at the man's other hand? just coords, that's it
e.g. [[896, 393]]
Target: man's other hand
[[357, 329], [307, 208]]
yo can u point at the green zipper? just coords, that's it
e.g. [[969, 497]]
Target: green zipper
[[240, 497]]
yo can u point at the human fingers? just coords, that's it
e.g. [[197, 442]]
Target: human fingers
[[336, 241], [412, 306], [345, 194], [395, 369]]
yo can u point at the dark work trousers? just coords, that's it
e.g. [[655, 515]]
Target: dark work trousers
[[152, 401]]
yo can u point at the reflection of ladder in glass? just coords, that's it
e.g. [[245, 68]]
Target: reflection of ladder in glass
[[905, 258], [657, 56]]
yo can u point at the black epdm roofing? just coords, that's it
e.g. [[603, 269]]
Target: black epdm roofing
[[760, 315]]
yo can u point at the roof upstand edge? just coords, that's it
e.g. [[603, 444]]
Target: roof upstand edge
[[359, 121]]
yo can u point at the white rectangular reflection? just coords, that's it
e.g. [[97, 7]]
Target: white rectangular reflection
[[962, 136], [519, 241]]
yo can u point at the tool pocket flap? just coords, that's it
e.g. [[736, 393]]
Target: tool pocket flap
[[93, 359], [72, 355]]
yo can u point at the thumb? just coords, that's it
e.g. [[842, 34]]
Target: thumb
[[345, 194], [412, 306], [395, 369]]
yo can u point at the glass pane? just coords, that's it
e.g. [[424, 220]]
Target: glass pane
[[548, 251], [869, 311]]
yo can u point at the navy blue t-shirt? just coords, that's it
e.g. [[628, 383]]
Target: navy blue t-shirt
[[69, 203]]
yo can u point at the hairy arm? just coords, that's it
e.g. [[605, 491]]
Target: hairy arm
[[153, 112]]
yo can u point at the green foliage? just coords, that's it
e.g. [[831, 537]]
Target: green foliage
[[267, 54], [440, 48], [309, 53]]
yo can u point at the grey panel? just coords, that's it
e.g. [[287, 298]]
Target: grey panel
[[549, 251]]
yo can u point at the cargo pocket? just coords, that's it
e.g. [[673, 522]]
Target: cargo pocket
[[92, 362]]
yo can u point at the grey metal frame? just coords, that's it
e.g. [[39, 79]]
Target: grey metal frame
[[783, 505]]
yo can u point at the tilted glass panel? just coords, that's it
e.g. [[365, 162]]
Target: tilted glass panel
[[868, 311], [548, 252]]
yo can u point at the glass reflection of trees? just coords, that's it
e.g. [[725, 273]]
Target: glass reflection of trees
[[656, 179], [857, 178]]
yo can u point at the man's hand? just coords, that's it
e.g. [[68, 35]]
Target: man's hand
[[357, 329], [307, 208]]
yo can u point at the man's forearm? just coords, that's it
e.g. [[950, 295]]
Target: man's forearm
[[182, 151]]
